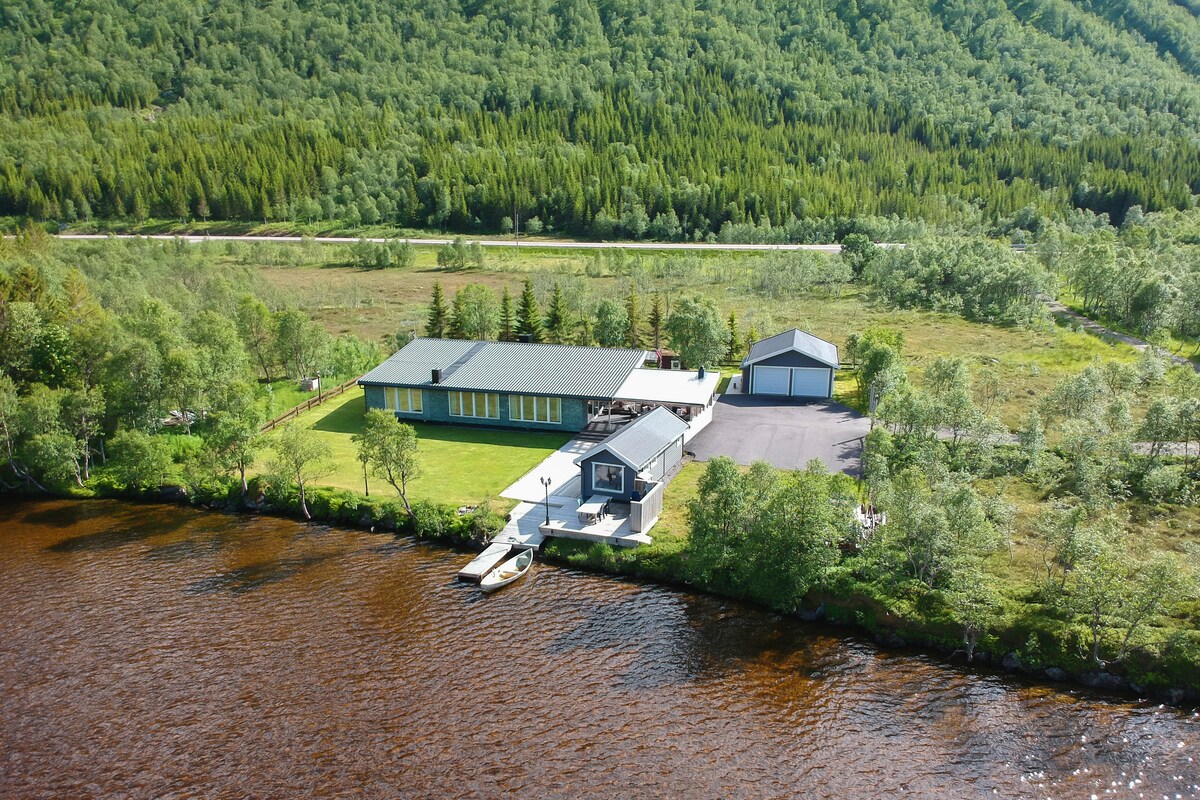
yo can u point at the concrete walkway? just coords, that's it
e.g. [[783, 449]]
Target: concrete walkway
[[559, 467]]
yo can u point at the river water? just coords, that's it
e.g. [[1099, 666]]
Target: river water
[[153, 651]]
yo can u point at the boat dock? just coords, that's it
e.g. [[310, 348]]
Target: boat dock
[[485, 562]]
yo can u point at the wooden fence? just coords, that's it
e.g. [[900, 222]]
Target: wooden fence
[[311, 402]]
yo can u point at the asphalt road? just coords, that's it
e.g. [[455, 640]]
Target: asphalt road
[[786, 433], [565, 245]]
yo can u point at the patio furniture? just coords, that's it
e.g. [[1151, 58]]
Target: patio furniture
[[593, 510]]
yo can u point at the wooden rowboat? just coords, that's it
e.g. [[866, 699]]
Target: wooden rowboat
[[507, 572]]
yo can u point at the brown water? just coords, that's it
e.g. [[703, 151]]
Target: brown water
[[150, 651]]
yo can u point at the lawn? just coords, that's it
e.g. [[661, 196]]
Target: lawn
[[460, 465]]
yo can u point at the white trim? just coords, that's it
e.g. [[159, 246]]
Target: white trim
[[792, 380], [393, 394], [516, 401], [619, 467], [603, 448], [790, 348], [488, 399], [759, 374]]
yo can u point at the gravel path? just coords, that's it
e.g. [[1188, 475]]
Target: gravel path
[[1108, 334]]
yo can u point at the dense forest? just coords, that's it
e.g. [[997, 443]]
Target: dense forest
[[801, 120], [100, 347]]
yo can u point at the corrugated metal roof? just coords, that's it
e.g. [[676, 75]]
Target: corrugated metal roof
[[413, 364], [641, 440], [510, 367], [798, 340]]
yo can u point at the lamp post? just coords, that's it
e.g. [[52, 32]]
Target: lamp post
[[546, 485]]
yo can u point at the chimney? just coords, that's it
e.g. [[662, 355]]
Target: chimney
[[525, 338], [436, 377], [700, 374]]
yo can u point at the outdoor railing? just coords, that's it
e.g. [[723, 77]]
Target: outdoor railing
[[311, 402], [644, 512]]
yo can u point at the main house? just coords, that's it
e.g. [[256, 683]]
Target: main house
[[790, 364], [525, 385]]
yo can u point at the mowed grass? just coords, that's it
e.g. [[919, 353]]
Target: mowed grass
[[672, 527], [460, 466]]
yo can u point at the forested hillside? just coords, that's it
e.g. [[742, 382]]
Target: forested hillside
[[607, 118]]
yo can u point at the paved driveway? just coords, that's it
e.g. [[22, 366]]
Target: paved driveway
[[786, 433]]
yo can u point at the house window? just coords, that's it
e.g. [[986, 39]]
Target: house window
[[609, 478], [528, 408], [474, 404], [406, 401]]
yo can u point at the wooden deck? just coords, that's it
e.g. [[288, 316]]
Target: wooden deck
[[485, 562]]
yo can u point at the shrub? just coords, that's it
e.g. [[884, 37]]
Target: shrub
[[1162, 484], [139, 460], [433, 521]]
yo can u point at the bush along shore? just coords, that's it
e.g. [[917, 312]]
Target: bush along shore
[[894, 617], [1029, 650]]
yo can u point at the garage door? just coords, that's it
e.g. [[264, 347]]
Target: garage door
[[810, 382], [771, 380]]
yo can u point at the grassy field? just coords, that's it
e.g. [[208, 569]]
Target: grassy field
[[375, 303], [285, 395], [1187, 348], [460, 465]]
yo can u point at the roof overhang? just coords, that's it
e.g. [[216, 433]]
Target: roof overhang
[[603, 448], [747, 361], [669, 387]]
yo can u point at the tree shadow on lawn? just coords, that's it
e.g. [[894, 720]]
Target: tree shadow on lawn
[[348, 419]]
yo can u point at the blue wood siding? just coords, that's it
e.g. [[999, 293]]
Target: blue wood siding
[[586, 489], [436, 405], [657, 467], [788, 359]]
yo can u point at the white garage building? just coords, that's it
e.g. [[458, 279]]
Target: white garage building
[[790, 364]]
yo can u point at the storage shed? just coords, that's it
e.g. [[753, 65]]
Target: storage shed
[[790, 364], [635, 458]]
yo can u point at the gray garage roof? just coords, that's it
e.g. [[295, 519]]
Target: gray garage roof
[[798, 340], [640, 441], [509, 367]]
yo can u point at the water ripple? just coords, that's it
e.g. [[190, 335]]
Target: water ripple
[[153, 652]]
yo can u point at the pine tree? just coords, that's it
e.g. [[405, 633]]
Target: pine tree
[[139, 210], [457, 328], [558, 326], [656, 320], [435, 328], [633, 336], [735, 343], [507, 320], [529, 319]]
